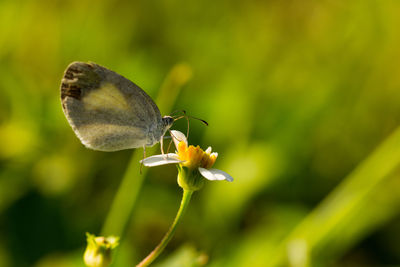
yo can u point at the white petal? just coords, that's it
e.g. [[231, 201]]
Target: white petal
[[215, 175], [178, 137], [158, 160], [214, 154], [208, 150]]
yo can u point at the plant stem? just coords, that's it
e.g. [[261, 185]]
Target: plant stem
[[160, 247]]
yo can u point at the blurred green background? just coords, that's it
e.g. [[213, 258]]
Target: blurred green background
[[303, 102]]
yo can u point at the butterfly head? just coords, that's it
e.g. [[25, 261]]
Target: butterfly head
[[167, 122]]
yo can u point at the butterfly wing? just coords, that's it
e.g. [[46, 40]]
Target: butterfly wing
[[107, 111]]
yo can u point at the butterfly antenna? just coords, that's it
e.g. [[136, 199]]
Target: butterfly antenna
[[203, 121], [187, 119], [178, 117], [178, 111], [187, 116]]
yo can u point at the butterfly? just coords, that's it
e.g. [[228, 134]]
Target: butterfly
[[108, 112]]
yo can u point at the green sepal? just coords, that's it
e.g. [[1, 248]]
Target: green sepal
[[189, 179]]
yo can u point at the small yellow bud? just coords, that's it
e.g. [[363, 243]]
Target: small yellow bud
[[98, 250]]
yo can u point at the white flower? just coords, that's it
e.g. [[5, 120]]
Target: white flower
[[189, 158]]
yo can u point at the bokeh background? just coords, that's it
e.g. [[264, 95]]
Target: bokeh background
[[303, 102]]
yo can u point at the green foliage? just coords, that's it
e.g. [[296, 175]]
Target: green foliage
[[303, 102]]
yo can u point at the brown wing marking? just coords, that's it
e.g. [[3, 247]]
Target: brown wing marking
[[78, 75]]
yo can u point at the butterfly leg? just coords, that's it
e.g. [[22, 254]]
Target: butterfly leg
[[162, 145], [169, 145]]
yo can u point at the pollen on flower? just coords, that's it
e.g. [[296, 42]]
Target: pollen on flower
[[195, 157]]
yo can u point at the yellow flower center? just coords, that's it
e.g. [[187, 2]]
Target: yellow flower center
[[195, 157]]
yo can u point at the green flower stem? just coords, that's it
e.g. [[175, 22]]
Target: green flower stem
[[157, 251]]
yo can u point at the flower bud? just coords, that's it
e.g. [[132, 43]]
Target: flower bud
[[98, 250]]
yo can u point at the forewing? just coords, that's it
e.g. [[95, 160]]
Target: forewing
[[106, 111]]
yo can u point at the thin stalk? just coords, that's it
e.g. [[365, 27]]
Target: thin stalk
[[160, 247]]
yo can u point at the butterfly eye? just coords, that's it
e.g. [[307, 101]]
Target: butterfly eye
[[170, 121]]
